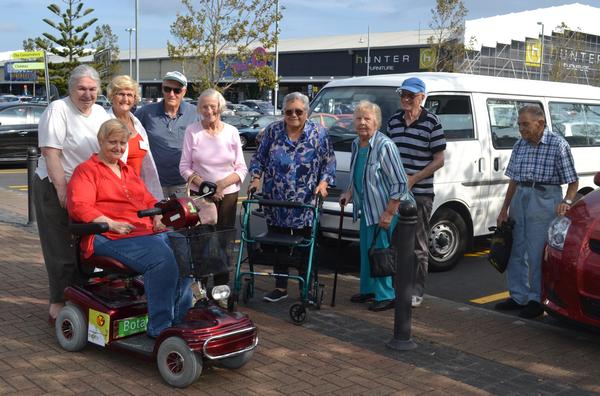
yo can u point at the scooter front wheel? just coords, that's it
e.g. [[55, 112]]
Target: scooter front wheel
[[177, 363], [71, 328], [236, 362]]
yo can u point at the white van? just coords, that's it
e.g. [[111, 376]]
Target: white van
[[479, 116]]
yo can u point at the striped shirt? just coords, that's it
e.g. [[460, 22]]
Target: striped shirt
[[417, 143], [549, 162], [383, 179]]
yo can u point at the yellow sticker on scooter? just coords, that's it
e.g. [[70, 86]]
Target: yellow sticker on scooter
[[98, 327], [191, 207]]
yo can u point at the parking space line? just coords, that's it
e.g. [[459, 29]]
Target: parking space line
[[19, 186], [491, 298], [478, 254], [12, 171]]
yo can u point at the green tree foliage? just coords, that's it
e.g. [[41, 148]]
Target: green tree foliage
[[563, 52], [107, 41], [71, 40], [217, 38], [448, 25]]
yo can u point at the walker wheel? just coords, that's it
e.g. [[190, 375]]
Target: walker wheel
[[247, 292], [298, 313]]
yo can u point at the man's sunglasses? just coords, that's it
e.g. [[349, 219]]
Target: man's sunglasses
[[291, 112], [169, 89]]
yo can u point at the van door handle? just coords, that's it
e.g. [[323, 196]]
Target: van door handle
[[496, 163], [480, 165]]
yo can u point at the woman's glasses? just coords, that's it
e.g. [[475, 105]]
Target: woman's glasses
[[169, 89], [291, 112]]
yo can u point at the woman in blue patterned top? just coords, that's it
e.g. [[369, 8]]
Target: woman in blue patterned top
[[378, 184], [295, 159]]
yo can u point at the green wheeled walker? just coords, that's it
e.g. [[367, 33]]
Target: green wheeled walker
[[283, 249]]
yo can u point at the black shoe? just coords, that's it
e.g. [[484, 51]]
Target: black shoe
[[275, 295], [362, 298], [508, 305], [382, 305], [532, 310]]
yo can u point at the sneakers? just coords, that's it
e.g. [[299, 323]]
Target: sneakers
[[532, 310], [275, 295], [416, 301], [508, 305], [362, 298], [383, 305]]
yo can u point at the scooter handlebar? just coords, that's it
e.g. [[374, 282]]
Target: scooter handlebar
[[149, 212]]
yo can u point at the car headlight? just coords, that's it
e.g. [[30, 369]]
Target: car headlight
[[220, 292], [557, 232]]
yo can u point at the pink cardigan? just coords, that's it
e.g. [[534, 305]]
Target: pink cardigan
[[213, 157]]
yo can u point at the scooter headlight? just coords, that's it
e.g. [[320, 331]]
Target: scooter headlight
[[221, 292], [557, 232]]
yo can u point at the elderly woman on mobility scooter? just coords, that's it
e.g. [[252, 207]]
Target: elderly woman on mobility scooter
[[377, 184], [104, 189]]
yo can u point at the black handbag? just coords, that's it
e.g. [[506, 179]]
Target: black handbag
[[501, 245], [382, 261]]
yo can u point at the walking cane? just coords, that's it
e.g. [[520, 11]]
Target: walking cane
[[339, 249]]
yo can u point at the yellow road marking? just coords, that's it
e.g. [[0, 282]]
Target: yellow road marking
[[22, 189], [12, 171], [478, 254], [491, 298], [19, 186]]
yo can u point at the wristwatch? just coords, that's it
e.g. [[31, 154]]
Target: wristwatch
[[567, 201]]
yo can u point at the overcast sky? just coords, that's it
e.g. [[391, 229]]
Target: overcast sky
[[301, 18]]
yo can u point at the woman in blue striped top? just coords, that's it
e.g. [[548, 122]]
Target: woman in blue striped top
[[378, 184]]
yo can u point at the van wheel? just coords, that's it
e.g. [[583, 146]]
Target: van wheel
[[447, 240]]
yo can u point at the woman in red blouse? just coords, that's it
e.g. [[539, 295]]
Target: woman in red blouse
[[104, 189]]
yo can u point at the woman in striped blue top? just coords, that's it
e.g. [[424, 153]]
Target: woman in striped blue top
[[378, 184]]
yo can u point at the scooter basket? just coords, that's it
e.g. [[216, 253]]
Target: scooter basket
[[203, 250]]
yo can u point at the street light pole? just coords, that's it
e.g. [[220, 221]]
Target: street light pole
[[137, 42], [541, 51], [368, 49], [276, 90], [130, 30]]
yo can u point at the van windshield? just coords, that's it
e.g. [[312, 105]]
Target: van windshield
[[333, 108]]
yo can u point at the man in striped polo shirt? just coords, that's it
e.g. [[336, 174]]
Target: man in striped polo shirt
[[420, 139]]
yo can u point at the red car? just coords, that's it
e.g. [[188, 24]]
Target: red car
[[571, 265]]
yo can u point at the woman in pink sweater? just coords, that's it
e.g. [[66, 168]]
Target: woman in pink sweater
[[212, 151]]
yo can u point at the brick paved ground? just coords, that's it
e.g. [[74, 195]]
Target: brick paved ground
[[461, 349]]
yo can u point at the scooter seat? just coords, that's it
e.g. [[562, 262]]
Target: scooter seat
[[108, 264], [273, 238]]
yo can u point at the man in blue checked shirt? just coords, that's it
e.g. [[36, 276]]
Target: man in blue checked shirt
[[540, 163]]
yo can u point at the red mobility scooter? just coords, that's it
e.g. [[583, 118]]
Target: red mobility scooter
[[110, 310]]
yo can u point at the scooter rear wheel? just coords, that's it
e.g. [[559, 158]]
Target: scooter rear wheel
[[177, 363], [71, 328]]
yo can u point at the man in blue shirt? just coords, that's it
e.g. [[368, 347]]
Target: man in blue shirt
[[540, 162], [165, 122]]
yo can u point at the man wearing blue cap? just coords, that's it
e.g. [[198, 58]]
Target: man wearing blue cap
[[420, 139], [165, 122]]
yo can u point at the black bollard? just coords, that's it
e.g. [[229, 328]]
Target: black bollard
[[404, 238], [32, 157]]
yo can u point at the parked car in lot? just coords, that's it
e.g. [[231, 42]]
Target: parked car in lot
[[18, 129], [260, 106], [8, 98], [250, 135], [571, 265], [103, 101], [242, 110]]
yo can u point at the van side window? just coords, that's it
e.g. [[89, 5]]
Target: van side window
[[455, 115], [578, 123], [504, 114]]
